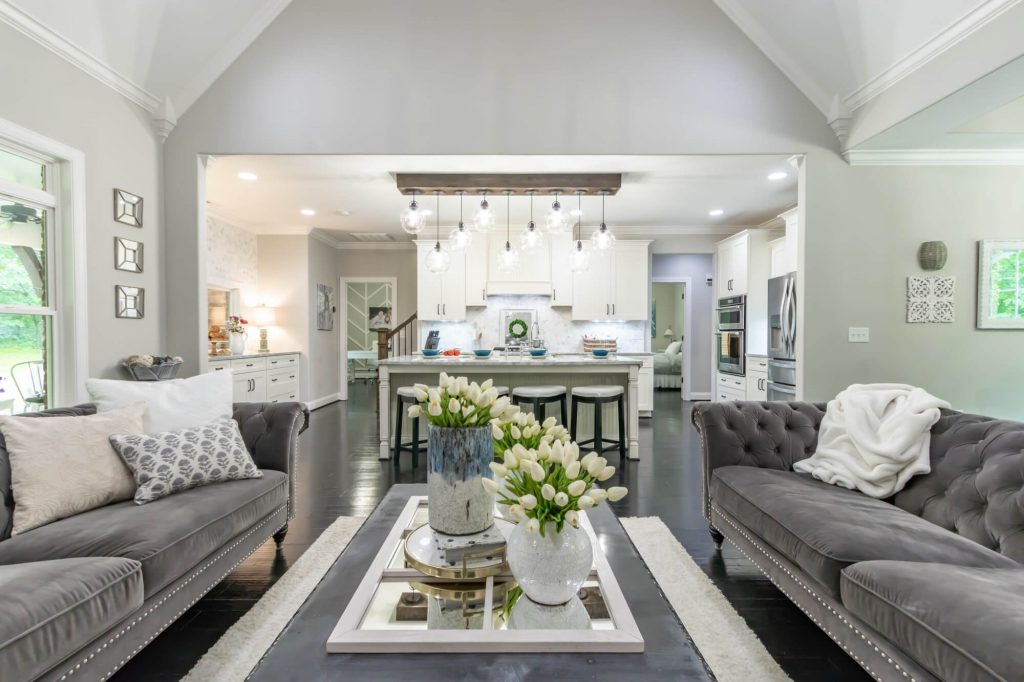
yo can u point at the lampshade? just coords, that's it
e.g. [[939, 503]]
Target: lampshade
[[668, 333], [264, 316]]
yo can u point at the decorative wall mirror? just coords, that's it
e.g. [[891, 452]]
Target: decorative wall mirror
[[1000, 284], [127, 208], [130, 302], [127, 254]]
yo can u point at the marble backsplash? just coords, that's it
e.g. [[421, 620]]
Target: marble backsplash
[[559, 332]]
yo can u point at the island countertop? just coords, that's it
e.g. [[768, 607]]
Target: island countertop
[[465, 361]]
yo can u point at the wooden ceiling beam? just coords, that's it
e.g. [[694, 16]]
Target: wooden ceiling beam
[[516, 183]]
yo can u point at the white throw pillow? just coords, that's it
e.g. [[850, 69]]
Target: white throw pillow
[[674, 348], [172, 405]]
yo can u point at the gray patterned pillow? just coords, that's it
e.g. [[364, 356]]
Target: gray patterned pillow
[[173, 461]]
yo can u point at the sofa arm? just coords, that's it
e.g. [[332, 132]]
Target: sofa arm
[[271, 432], [770, 435]]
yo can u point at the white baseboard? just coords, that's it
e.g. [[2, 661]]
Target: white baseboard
[[700, 396], [320, 402]]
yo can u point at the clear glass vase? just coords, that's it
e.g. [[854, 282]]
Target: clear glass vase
[[550, 568]]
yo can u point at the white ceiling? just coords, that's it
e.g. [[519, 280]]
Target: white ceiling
[[667, 194]]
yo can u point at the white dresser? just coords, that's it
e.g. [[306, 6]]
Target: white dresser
[[262, 378]]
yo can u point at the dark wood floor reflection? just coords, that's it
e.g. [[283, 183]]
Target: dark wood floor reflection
[[339, 474]]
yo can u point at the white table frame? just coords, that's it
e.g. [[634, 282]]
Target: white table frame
[[348, 638]]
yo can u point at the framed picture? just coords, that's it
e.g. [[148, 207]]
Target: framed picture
[[1000, 284], [129, 302], [127, 255], [127, 208], [324, 307], [379, 317]]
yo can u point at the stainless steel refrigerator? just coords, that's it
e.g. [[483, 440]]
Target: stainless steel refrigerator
[[782, 337]]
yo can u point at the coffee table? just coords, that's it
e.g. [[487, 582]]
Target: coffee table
[[300, 652]]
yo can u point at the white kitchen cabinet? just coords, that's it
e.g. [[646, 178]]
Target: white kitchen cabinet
[[645, 386], [261, 378], [743, 266], [561, 273], [757, 377], [477, 267], [792, 218], [440, 296], [615, 285], [531, 277], [729, 387], [732, 265], [779, 257], [592, 290]]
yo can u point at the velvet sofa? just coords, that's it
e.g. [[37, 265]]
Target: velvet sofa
[[80, 596], [928, 585]]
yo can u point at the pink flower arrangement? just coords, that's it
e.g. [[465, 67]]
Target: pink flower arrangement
[[235, 325]]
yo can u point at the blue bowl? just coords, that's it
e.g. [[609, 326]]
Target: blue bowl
[[482, 352], [600, 352], [538, 352], [431, 352]]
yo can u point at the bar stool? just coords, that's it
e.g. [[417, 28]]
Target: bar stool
[[406, 397], [538, 396], [502, 390], [599, 396]]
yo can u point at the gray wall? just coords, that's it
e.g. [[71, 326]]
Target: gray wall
[[697, 267], [384, 263], [284, 285], [324, 346], [47, 95]]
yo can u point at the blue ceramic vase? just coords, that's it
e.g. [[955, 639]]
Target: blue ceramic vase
[[457, 460]]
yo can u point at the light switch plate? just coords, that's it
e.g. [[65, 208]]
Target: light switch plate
[[859, 335]]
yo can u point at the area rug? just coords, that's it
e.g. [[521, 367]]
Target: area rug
[[730, 648]]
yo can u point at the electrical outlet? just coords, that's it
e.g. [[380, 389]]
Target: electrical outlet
[[859, 335]]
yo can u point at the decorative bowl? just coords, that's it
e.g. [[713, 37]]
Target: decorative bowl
[[538, 352], [599, 352], [482, 353], [431, 352]]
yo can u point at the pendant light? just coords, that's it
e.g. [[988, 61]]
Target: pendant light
[[556, 220], [508, 258], [531, 237], [412, 218], [438, 259], [483, 219], [461, 237], [580, 258], [603, 239]]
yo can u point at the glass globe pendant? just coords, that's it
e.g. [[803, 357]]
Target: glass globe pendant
[[483, 219], [602, 239], [508, 258], [438, 260], [460, 237], [412, 218], [531, 238], [579, 260], [557, 219]]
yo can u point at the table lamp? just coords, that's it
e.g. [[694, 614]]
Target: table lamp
[[668, 333], [264, 317]]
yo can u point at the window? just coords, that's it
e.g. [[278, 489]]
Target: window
[[1001, 285]]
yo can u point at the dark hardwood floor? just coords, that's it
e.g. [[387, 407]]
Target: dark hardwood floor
[[339, 474]]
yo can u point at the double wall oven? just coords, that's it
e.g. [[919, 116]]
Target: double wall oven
[[730, 337]]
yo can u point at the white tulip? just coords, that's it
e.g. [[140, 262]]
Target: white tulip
[[510, 411], [468, 410], [573, 471], [433, 395], [572, 518], [561, 499], [557, 452], [443, 379], [547, 491], [510, 460], [572, 454], [489, 485], [544, 451], [496, 433], [485, 399], [420, 393], [585, 502], [486, 385], [537, 472], [517, 512], [520, 451], [606, 473], [434, 408], [521, 418], [533, 525], [577, 488], [616, 493], [528, 501], [499, 406], [549, 422], [473, 394], [588, 458], [547, 438], [596, 466], [516, 433], [414, 411], [461, 385], [499, 469], [597, 495], [454, 406]]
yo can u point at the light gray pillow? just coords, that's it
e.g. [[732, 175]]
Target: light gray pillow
[[173, 461]]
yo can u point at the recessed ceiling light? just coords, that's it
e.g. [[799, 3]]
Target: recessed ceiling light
[[308, 211], [248, 176], [715, 212], [346, 213], [778, 175]]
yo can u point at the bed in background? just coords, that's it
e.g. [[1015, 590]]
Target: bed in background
[[668, 367]]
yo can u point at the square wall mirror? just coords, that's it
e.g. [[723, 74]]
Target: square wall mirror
[[130, 302], [127, 254]]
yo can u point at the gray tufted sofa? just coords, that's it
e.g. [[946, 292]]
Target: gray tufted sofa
[[80, 596], [928, 585]]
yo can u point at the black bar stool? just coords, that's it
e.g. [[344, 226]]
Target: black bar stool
[[598, 396], [406, 397], [538, 396]]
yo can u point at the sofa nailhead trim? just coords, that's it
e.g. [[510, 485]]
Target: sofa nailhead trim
[[814, 594], [182, 584]]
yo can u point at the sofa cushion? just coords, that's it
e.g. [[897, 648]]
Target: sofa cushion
[[168, 536], [823, 529], [959, 623], [51, 609]]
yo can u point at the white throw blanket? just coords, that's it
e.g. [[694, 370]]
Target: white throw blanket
[[874, 438]]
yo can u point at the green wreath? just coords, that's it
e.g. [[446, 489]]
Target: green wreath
[[517, 329]]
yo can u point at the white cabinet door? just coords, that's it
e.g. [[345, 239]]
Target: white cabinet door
[[629, 277], [476, 271], [779, 257], [645, 386], [453, 289], [428, 287], [591, 289], [249, 387], [741, 252], [561, 272], [757, 386], [723, 266]]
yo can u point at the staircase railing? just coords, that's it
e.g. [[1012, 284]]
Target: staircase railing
[[402, 340]]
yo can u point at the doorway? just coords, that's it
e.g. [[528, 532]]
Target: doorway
[[369, 305], [671, 334]]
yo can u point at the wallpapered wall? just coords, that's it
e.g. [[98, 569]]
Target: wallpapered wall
[[232, 258], [359, 298]]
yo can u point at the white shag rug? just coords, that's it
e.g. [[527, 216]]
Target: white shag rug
[[731, 649]]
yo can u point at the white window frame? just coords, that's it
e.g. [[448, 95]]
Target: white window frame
[[67, 293]]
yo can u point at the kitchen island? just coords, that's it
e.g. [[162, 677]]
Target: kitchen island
[[565, 370]]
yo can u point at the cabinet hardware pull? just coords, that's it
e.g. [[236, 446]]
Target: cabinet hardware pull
[[554, 294], [483, 293], [613, 308], [444, 308]]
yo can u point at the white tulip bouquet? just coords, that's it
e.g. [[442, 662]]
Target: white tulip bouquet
[[457, 403], [522, 428], [551, 484]]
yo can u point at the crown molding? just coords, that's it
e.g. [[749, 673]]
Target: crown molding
[[76, 56], [935, 157], [376, 246], [663, 231], [324, 238], [946, 39]]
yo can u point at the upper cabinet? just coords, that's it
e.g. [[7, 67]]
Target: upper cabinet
[[733, 254], [615, 285], [743, 264], [791, 260], [531, 277], [440, 296], [476, 271], [561, 273]]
